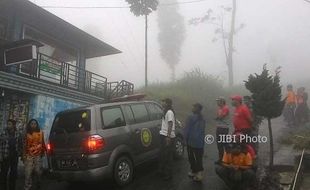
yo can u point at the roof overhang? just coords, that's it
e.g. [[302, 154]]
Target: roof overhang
[[51, 24]]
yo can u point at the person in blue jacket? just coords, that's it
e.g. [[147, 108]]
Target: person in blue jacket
[[194, 135]]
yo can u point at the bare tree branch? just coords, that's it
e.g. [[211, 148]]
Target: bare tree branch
[[223, 38]]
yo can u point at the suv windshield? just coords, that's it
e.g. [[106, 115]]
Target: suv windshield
[[72, 122]]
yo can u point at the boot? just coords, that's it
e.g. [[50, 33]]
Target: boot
[[198, 177]]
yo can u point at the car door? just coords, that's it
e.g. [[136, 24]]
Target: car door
[[142, 134], [156, 114]]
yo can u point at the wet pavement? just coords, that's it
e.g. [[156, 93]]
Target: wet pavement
[[146, 177]]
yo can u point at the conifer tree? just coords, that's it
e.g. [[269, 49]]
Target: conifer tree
[[267, 99]]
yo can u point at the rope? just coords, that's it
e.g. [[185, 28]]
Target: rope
[[298, 169]]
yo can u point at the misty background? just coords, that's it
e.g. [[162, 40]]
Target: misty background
[[276, 32]]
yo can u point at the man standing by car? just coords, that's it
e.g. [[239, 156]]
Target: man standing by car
[[167, 136]]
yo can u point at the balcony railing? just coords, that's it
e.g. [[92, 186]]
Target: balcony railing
[[51, 70]]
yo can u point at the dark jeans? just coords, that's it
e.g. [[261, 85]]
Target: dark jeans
[[166, 156], [220, 145], [236, 179], [301, 114], [289, 114], [9, 164], [195, 156]]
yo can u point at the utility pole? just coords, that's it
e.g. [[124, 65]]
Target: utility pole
[[146, 27], [231, 45]]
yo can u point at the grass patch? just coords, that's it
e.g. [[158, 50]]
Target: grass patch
[[300, 138]]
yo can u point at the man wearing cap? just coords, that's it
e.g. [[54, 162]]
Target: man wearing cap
[[167, 135], [290, 106], [194, 133], [222, 124], [242, 119]]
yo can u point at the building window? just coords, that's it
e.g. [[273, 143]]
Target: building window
[[52, 54], [52, 47]]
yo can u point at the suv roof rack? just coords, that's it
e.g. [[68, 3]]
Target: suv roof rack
[[127, 98]]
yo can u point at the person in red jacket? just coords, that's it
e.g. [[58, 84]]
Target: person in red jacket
[[242, 119]]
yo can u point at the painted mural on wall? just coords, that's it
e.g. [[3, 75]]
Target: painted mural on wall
[[14, 106], [45, 108]]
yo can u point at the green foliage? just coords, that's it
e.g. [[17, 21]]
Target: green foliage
[[142, 7], [194, 86], [171, 35], [300, 138], [266, 94]]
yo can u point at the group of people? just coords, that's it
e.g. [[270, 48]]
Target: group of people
[[236, 164], [236, 159], [296, 110], [194, 134], [29, 147]]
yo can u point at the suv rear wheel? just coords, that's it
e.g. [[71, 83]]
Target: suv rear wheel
[[123, 171], [179, 148]]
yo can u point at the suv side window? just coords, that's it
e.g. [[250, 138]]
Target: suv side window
[[140, 113], [112, 117], [155, 111], [129, 114]]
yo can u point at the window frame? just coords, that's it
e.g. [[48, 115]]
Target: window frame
[[129, 106], [111, 107], [61, 114], [147, 112]]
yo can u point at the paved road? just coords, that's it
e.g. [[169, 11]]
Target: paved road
[[146, 178]]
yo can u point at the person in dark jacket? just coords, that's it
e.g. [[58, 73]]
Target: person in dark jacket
[[194, 136], [10, 150]]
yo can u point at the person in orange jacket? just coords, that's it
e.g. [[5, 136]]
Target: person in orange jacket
[[302, 110], [290, 106], [236, 168], [34, 150]]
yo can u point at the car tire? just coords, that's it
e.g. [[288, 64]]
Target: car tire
[[123, 171], [179, 148]]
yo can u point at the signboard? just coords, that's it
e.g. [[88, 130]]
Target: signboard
[[20, 54], [50, 68]]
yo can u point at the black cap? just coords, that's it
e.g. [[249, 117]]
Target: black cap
[[167, 101], [198, 105]]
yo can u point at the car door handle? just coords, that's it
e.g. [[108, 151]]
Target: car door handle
[[137, 131]]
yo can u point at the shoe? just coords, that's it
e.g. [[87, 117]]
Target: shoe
[[198, 177], [191, 174]]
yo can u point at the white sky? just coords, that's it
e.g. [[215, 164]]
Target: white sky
[[277, 32]]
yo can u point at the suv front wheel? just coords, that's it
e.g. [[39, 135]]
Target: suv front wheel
[[123, 171]]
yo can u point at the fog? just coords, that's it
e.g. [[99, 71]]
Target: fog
[[276, 32]]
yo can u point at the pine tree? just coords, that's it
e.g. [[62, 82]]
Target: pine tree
[[267, 99]]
